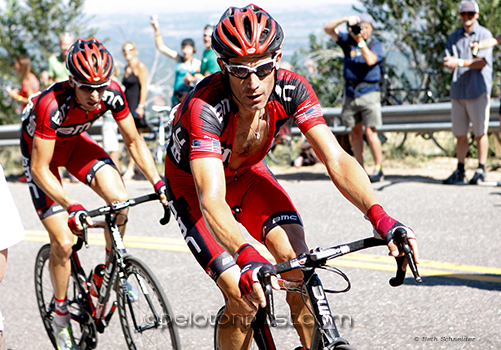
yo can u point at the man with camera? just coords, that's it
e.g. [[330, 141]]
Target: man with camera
[[363, 55]]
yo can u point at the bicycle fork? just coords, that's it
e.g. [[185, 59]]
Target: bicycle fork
[[325, 333]]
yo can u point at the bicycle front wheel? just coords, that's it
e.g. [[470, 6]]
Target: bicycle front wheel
[[84, 328], [145, 314]]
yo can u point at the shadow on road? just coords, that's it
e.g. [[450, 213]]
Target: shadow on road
[[458, 279]]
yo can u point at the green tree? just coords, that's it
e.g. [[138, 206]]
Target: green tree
[[322, 65], [416, 30], [419, 29], [33, 28]]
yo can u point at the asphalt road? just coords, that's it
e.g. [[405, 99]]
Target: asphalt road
[[458, 305]]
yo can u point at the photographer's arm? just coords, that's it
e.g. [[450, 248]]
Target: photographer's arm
[[331, 28], [369, 56]]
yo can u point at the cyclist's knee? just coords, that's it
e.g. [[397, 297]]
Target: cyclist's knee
[[61, 249], [237, 314]]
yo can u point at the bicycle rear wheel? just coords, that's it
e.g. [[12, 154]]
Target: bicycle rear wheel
[[84, 328], [146, 318]]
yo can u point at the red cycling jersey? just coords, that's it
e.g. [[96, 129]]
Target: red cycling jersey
[[55, 115], [204, 126]]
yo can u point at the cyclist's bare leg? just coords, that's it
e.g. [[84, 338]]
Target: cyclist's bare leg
[[374, 144], [61, 242], [357, 142], [285, 243], [108, 184], [234, 331]]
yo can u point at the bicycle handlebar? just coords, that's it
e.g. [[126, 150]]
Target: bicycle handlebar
[[115, 207], [318, 257]]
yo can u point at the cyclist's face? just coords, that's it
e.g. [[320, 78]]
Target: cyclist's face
[[253, 92], [87, 98]]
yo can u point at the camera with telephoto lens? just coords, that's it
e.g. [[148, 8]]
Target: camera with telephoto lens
[[356, 29]]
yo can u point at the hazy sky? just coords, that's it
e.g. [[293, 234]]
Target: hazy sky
[[166, 6]]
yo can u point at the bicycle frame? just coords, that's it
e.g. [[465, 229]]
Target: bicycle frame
[[325, 333], [114, 267]]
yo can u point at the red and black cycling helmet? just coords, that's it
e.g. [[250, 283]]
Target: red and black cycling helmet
[[88, 60], [249, 30]]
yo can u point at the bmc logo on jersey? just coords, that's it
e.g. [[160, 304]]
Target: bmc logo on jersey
[[74, 130], [221, 109], [114, 100]]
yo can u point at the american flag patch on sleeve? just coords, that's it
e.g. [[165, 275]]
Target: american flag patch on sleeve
[[212, 146]]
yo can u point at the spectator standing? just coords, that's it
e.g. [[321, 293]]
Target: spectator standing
[[209, 60], [485, 44], [363, 55], [186, 63], [470, 90], [12, 232], [57, 66], [135, 82], [29, 82]]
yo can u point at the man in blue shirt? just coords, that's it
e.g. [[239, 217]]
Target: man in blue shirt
[[362, 73], [470, 90]]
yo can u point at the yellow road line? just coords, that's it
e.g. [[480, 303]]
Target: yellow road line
[[356, 260]]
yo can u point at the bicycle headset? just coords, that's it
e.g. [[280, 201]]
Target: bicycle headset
[[89, 61]]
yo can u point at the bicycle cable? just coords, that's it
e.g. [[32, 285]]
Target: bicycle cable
[[303, 290]]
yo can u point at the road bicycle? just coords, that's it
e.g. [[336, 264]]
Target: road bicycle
[[145, 314], [325, 333], [160, 128]]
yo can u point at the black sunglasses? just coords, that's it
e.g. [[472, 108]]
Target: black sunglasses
[[243, 72], [471, 14]]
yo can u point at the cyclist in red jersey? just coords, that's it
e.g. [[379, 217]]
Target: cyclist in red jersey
[[54, 134], [221, 133]]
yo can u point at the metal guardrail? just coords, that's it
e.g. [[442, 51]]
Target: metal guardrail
[[405, 118]]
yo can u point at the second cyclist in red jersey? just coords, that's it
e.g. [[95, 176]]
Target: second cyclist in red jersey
[[221, 132], [53, 135]]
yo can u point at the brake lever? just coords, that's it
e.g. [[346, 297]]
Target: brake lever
[[268, 292], [83, 220], [403, 245], [167, 213]]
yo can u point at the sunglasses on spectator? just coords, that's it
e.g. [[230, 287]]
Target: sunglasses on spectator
[[471, 14], [89, 88], [243, 72]]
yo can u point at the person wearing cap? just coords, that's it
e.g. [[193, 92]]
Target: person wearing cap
[[470, 91], [209, 60], [486, 44], [218, 182], [363, 55], [186, 62]]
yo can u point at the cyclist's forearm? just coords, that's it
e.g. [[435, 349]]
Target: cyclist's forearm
[[222, 225], [210, 183], [50, 185], [143, 158], [346, 173]]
